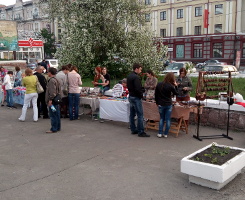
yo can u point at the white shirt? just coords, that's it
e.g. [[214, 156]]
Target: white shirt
[[7, 82]]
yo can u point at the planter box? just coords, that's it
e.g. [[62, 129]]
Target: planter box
[[210, 175]]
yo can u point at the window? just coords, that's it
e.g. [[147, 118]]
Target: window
[[147, 2], [180, 51], [198, 30], [179, 13], [163, 15], [243, 50], [218, 28], [179, 31], [163, 33], [217, 50], [218, 9], [197, 51], [198, 11], [147, 17], [163, 1]]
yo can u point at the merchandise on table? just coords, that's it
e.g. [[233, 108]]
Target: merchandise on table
[[19, 95]]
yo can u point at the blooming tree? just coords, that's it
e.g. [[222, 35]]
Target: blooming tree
[[97, 31]]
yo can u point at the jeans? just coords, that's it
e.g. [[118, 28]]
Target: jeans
[[73, 105], [9, 97], [136, 109], [30, 97], [105, 89], [55, 118], [165, 115]]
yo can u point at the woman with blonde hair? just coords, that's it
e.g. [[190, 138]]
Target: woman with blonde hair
[[163, 96], [30, 82]]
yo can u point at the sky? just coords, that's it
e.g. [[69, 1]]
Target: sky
[[9, 2]]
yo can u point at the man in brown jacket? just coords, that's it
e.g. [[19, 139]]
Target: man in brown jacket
[[53, 89]]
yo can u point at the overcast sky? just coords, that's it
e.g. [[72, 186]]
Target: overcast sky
[[9, 2]]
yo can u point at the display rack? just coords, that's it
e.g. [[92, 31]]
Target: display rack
[[210, 81]]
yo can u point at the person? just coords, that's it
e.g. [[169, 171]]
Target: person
[[62, 78], [41, 103], [184, 86], [30, 82], [3, 72], [9, 89], [125, 88], [106, 85], [74, 81], [99, 79], [53, 89], [150, 84], [44, 64], [163, 97], [18, 77], [135, 100]]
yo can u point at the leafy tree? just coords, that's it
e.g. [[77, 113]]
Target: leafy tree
[[98, 31], [49, 45]]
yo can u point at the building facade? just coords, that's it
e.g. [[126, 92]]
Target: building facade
[[199, 30]]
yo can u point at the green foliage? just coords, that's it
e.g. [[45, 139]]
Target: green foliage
[[95, 32], [49, 45]]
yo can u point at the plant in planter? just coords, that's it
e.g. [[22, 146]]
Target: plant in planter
[[214, 165]]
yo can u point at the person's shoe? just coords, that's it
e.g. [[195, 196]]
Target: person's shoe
[[14, 107], [134, 132], [159, 135], [21, 120], [2, 105], [35, 120], [165, 136], [51, 131], [9, 107], [45, 117], [143, 135]]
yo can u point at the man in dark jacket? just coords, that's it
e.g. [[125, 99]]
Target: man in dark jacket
[[135, 96], [41, 104]]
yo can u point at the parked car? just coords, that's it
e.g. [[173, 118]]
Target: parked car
[[211, 62], [52, 63], [176, 66], [223, 68], [32, 63]]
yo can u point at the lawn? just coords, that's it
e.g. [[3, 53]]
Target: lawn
[[238, 85]]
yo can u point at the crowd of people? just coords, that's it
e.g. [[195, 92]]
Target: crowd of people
[[61, 93]]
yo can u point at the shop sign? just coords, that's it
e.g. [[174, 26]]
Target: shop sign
[[30, 43]]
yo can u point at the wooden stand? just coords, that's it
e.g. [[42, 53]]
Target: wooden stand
[[174, 128]]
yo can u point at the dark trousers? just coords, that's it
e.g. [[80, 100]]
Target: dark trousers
[[41, 105]]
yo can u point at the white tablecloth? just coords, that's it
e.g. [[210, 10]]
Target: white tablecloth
[[114, 110], [93, 102]]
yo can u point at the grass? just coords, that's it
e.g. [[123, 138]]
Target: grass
[[238, 85]]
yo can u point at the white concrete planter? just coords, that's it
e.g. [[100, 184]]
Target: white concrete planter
[[210, 175]]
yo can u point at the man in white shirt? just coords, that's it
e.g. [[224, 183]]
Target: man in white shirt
[[9, 89]]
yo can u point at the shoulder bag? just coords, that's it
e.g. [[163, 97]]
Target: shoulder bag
[[39, 87]]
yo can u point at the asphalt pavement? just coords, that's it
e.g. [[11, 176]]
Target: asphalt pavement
[[89, 160]]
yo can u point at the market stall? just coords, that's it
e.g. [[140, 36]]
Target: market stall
[[19, 95]]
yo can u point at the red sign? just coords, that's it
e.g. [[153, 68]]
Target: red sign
[[205, 18], [30, 43]]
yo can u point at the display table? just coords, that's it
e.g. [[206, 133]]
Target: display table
[[19, 95], [181, 113], [115, 109]]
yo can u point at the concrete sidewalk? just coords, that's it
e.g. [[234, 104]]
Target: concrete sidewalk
[[100, 161]]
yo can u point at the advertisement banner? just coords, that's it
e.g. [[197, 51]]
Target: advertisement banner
[[8, 35], [30, 43]]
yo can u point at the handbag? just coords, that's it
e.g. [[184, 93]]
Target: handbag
[[66, 87], [57, 99], [39, 87]]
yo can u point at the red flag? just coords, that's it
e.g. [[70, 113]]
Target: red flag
[[205, 18]]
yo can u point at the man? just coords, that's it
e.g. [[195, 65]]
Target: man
[[62, 78], [53, 89], [43, 63], [41, 104], [9, 89], [135, 96]]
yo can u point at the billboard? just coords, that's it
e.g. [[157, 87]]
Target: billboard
[[8, 36]]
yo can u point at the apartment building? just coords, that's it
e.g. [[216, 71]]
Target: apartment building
[[30, 18], [199, 30]]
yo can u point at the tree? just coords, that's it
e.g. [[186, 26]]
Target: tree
[[98, 31], [49, 43]]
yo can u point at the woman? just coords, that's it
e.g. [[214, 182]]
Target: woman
[[99, 79], [184, 86], [150, 84], [30, 82], [18, 77], [106, 85], [163, 97], [3, 72], [74, 81]]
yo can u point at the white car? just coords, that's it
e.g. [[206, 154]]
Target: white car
[[52, 63], [176, 66]]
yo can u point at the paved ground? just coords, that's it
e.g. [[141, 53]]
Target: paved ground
[[100, 161]]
